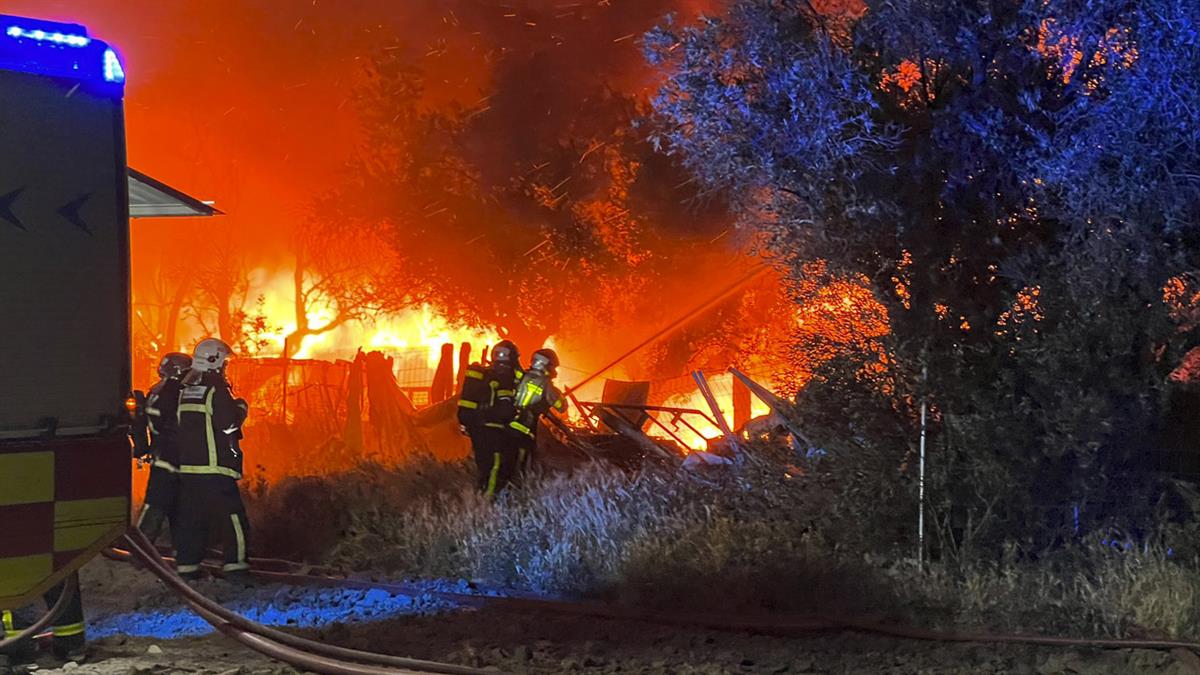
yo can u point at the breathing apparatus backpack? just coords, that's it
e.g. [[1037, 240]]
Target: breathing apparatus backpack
[[532, 389]]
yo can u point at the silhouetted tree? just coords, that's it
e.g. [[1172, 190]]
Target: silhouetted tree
[[542, 203], [1015, 180]]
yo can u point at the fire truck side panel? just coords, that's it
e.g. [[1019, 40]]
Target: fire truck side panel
[[61, 501], [64, 256], [64, 304]]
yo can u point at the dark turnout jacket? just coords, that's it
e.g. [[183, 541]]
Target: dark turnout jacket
[[210, 422], [487, 395], [162, 410]]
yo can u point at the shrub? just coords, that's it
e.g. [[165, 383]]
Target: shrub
[[1089, 590], [764, 534]]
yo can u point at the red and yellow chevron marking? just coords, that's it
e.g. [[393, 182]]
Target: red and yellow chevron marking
[[61, 502]]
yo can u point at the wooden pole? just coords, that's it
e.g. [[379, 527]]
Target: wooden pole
[[442, 387], [464, 362], [354, 399], [706, 392], [741, 404], [286, 360], [921, 477], [775, 403]]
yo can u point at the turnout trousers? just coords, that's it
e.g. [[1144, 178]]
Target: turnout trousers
[[210, 504], [497, 459], [69, 632], [526, 446], [162, 496]]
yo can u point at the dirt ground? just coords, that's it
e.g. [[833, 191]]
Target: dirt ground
[[138, 629]]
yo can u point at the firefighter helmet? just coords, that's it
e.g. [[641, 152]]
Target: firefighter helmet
[[173, 365], [210, 355], [545, 360], [506, 353]]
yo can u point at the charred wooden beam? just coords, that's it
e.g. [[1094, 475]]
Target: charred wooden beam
[[741, 405], [464, 362], [623, 427], [718, 415], [391, 412], [777, 404], [443, 378], [353, 434]]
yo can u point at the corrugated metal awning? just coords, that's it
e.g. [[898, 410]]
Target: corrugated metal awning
[[150, 198]]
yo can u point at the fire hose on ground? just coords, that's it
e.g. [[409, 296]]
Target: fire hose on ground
[[784, 626], [291, 649], [792, 626]]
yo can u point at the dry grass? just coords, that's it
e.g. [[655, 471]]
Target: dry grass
[[558, 535], [747, 540], [1093, 590]]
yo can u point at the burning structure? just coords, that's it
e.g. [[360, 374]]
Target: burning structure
[[482, 174], [390, 399]]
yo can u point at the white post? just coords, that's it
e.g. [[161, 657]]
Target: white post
[[921, 478]]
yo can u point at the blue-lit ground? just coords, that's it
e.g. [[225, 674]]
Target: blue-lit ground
[[137, 627], [300, 608], [123, 601]]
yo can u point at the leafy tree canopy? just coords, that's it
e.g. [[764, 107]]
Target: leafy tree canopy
[[1016, 181]]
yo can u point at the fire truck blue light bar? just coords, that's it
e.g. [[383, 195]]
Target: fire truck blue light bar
[[43, 36], [59, 50], [113, 72]]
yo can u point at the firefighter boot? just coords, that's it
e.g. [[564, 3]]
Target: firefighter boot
[[13, 623], [11, 665], [70, 649], [70, 640]]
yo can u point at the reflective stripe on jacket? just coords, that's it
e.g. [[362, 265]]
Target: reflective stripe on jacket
[[162, 413], [526, 421], [209, 427], [486, 398]]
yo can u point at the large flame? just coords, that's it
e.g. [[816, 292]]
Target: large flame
[[722, 389], [420, 328]]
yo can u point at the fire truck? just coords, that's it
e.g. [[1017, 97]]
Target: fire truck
[[66, 197]]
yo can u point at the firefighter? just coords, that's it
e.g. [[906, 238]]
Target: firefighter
[[485, 407], [535, 396], [162, 403], [210, 465], [69, 642]]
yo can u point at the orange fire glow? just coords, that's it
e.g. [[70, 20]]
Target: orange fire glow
[[252, 105], [417, 328], [722, 387]]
